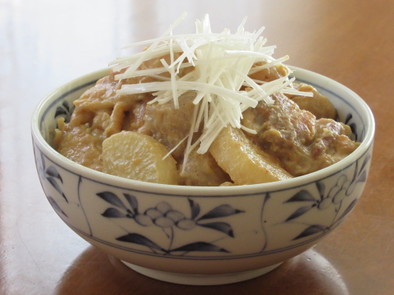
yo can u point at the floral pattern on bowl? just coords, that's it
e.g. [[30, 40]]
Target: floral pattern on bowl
[[155, 225]]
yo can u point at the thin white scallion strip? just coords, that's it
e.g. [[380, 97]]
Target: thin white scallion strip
[[175, 147], [133, 63], [203, 107], [187, 85], [190, 138], [208, 137], [149, 72], [269, 65], [292, 91], [142, 56], [249, 130]]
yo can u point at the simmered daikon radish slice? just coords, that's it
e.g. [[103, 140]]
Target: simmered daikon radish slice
[[138, 156], [244, 162]]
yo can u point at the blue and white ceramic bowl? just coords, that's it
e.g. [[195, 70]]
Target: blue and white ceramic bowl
[[202, 235]]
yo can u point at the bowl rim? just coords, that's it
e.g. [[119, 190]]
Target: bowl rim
[[182, 190]]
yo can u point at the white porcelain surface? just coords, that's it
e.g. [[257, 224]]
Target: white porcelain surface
[[198, 279]]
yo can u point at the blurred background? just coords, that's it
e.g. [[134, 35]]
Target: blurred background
[[58, 40]]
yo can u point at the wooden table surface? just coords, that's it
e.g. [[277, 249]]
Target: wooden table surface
[[44, 44]]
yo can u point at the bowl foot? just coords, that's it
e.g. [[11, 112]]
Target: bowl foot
[[201, 279]]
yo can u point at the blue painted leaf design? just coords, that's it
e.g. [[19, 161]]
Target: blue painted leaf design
[[60, 112], [362, 177], [301, 196], [113, 213], [56, 206], [365, 162], [140, 240], [52, 172], [42, 159], [348, 209], [219, 226], [195, 208], [133, 202], [300, 211], [63, 110], [199, 246], [352, 126], [348, 118], [355, 172], [311, 230], [112, 199], [66, 105], [221, 211], [57, 187], [321, 188]]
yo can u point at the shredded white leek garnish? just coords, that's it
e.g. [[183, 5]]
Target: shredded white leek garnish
[[218, 67]]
